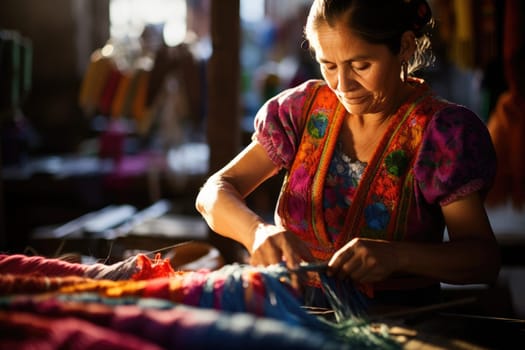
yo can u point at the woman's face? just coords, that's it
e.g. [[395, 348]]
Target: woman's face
[[365, 77]]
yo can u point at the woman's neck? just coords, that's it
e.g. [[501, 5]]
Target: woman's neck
[[373, 121], [361, 134]]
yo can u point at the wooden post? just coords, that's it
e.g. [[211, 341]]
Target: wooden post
[[3, 233], [224, 120]]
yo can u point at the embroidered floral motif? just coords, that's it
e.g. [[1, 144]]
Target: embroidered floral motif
[[297, 202], [317, 125], [396, 162], [377, 216], [341, 183]]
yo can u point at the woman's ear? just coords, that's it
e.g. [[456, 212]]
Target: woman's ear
[[408, 45]]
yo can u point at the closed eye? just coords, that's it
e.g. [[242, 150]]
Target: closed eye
[[329, 67], [361, 66]]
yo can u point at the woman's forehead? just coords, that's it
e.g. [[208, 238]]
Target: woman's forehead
[[340, 41]]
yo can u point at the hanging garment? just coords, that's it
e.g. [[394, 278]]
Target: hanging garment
[[94, 82], [507, 122]]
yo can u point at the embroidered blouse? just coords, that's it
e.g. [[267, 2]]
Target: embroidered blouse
[[453, 157]]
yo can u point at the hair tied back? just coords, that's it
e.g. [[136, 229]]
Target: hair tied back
[[421, 13]]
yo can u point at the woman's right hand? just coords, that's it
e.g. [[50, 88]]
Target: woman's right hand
[[273, 245]]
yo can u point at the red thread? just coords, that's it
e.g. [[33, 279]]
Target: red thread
[[152, 269]]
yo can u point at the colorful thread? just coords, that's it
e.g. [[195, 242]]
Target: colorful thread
[[232, 293]]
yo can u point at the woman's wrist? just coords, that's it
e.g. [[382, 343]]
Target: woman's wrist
[[261, 231]]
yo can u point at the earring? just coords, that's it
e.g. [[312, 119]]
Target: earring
[[404, 71]]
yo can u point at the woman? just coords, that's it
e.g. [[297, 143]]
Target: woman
[[377, 165]]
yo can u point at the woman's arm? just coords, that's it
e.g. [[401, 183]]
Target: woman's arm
[[221, 203], [472, 253], [470, 256], [221, 199]]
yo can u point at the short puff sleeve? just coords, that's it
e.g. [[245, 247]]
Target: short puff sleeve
[[279, 123], [456, 158]]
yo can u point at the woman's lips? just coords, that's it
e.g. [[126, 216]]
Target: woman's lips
[[352, 100]]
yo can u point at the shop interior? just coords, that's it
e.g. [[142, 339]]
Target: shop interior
[[114, 112]]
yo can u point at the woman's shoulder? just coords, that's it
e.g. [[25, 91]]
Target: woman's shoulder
[[291, 101], [455, 115], [302, 90], [454, 121], [279, 122], [310, 84], [456, 154]]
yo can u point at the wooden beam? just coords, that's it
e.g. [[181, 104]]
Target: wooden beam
[[3, 234], [224, 119]]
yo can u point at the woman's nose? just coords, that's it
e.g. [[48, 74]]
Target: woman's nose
[[345, 80]]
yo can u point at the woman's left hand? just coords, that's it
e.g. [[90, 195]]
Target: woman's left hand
[[364, 260]]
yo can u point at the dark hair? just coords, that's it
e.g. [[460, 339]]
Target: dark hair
[[379, 22]]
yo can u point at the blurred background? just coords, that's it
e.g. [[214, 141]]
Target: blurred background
[[115, 111]]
